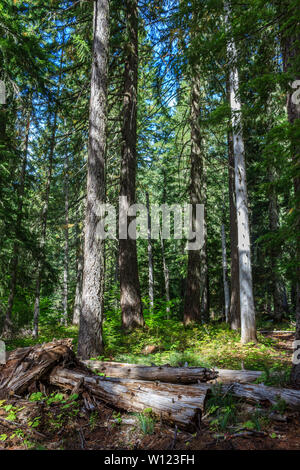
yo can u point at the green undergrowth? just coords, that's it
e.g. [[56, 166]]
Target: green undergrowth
[[208, 345]]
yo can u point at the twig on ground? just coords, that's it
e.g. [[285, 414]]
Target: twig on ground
[[23, 426]]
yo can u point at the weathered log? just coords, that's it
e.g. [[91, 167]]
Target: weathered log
[[166, 373], [240, 376], [176, 404], [180, 405], [25, 366], [262, 394]]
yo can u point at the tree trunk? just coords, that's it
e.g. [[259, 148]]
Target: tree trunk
[[225, 273], [195, 294], [66, 247], [79, 270], [90, 341], [166, 275], [273, 225], [234, 314], [248, 327], [131, 304], [15, 258], [150, 257], [290, 37]]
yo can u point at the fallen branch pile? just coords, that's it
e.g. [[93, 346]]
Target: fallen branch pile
[[175, 395]]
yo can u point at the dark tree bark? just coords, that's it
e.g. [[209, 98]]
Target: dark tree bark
[[90, 341], [234, 313], [131, 304], [15, 257], [195, 302], [278, 310]]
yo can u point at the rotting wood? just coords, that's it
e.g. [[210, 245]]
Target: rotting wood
[[175, 404], [25, 366], [166, 373]]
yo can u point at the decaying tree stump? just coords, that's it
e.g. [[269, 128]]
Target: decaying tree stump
[[25, 366]]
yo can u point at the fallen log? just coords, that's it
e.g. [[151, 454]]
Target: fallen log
[[25, 366], [262, 394], [177, 404], [240, 376], [180, 405], [166, 373]]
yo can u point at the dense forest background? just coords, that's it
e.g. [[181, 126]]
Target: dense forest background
[[180, 59]]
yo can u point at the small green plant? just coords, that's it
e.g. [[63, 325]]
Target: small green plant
[[275, 376], [35, 422], [12, 412], [280, 405], [146, 421], [222, 407], [18, 433], [55, 398], [37, 396], [93, 419]]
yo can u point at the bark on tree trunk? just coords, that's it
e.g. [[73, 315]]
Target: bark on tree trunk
[[15, 258], [163, 255], [195, 300], [225, 273], [150, 257], [273, 225], [90, 341], [166, 275], [66, 247], [235, 314], [130, 299], [79, 270], [248, 327]]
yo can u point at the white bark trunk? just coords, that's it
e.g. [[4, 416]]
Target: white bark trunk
[[248, 328], [225, 273], [66, 248]]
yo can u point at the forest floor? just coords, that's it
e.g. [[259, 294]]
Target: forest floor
[[60, 421]]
